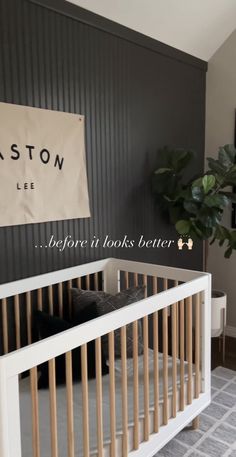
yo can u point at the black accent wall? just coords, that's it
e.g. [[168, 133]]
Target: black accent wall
[[136, 94]]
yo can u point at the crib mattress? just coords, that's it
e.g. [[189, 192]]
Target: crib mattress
[[44, 412]]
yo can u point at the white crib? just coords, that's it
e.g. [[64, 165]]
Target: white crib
[[142, 402]]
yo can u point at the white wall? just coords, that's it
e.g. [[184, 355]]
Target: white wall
[[196, 27], [220, 112]]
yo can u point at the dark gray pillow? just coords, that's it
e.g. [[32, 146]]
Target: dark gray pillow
[[105, 304]]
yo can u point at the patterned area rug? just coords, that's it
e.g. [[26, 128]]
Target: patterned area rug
[[216, 436]]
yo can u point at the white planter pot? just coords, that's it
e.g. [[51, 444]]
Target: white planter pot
[[218, 304]]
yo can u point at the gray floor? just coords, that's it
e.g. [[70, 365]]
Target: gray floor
[[217, 434]]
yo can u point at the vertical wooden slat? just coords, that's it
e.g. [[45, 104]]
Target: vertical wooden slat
[[84, 365], [78, 282], [98, 349], [182, 344], [69, 400], [50, 299], [112, 394], [29, 317], [145, 284], [189, 348], [96, 281], [53, 407], [69, 286], [156, 371], [165, 364], [174, 358], [154, 285], [136, 279], [35, 412], [155, 360], [177, 330], [17, 321], [5, 326], [177, 324], [135, 386], [165, 284], [39, 299], [197, 345], [126, 277], [60, 299], [87, 282], [146, 379], [124, 393]]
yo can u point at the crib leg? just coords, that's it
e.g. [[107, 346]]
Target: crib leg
[[196, 423]]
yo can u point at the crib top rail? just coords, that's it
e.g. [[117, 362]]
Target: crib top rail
[[110, 266], [27, 357]]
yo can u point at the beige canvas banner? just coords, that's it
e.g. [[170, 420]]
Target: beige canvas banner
[[42, 166]]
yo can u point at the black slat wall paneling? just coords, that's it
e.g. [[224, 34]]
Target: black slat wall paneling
[[136, 94]]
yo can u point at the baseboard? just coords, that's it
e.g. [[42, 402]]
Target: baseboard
[[230, 331]]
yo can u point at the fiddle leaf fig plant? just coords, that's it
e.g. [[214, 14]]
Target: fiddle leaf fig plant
[[196, 205]]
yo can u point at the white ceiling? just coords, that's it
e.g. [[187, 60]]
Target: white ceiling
[[198, 27]]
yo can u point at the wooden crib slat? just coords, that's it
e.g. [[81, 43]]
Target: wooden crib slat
[[112, 394], [146, 378], [84, 366], [35, 412], [98, 349], [165, 364], [29, 317], [154, 285], [60, 299], [176, 283], [174, 358], [96, 281], [50, 299], [53, 407], [136, 279], [124, 392], [165, 283], [182, 343], [78, 282], [135, 386], [69, 287], [189, 347], [87, 282], [145, 284], [5, 326], [40, 299], [126, 280], [156, 371], [197, 345], [69, 401], [17, 320]]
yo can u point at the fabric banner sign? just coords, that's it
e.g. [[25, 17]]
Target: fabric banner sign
[[42, 166]]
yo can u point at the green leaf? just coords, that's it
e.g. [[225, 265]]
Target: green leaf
[[209, 217], [202, 231], [228, 252], [216, 166], [226, 156], [208, 182], [183, 227], [197, 182], [190, 207], [231, 152], [233, 235], [197, 194], [218, 200], [222, 233], [160, 171], [230, 195]]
